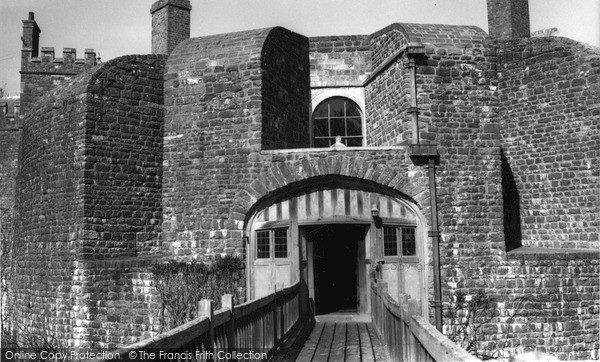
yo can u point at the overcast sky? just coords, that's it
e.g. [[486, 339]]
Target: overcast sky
[[120, 27]]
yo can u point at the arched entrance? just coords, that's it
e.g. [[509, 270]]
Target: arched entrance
[[330, 238]]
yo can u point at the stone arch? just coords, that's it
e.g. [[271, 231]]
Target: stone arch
[[284, 197], [338, 92], [282, 179]]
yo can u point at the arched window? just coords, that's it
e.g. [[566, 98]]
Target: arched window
[[337, 116]]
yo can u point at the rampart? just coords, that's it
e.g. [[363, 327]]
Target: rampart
[[89, 200], [549, 89]]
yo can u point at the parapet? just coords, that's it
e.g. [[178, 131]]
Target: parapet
[[31, 57], [69, 56], [41, 70], [9, 112]]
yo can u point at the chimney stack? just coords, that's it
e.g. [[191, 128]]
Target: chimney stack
[[508, 19], [31, 36], [170, 24]]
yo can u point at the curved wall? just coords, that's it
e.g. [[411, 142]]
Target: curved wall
[[89, 200], [227, 97], [550, 95]]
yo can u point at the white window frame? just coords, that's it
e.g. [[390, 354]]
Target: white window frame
[[271, 232], [355, 94]]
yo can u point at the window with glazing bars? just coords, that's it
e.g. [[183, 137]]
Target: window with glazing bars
[[337, 116], [263, 245], [399, 238], [276, 240], [280, 241], [390, 241]]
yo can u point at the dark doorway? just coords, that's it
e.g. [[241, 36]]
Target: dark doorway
[[335, 266]]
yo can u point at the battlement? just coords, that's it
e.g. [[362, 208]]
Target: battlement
[[69, 56], [41, 70], [9, 112]]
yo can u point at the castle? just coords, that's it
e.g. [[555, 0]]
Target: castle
[[447, 159]]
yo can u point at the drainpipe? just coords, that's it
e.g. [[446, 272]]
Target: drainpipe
[[426, 155], [434, 234], [413, 110]]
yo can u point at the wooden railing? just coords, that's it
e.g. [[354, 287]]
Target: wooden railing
[[254, 329], [406, 334]]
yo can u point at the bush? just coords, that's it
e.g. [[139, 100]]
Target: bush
[[465, 319], [181, 285]]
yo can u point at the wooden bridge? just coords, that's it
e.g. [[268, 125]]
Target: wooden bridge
[[272, 328], [345, 341]]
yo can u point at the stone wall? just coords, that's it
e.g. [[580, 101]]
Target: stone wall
[[387, 43], [212, 126], [548, 301], [550, 95], [49, 185], [387, 92], [89, 190], [39, 74], [339, 61], [9, 148], [123, 158]]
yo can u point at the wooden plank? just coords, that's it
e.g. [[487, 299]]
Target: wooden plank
[[338, 346], [324, 347], [352, 343], [310, 346], [301, 207], [378, 347], [327, 207], [366, 349], [440, 347]]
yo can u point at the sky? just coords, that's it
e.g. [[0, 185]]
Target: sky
[[120, 27]]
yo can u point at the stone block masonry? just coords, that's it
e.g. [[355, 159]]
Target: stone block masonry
[[549, 90], [41, 74], [549, 301], [9, 149], [89, 192], [339, 61], [220, 91]]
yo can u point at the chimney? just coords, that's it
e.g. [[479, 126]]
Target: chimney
[[31, 36], [508, 19], [170, 24]]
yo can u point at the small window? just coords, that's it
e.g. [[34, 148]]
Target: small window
[[399, 238], [409, 245], [337, 116], [390, 241], [280, 240], [263, 245], [276, 240]]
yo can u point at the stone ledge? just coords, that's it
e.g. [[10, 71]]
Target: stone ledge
[[325, 150], [536, 253]]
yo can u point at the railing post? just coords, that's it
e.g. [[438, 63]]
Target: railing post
[[282, 317], [205, 309], [227, 302], [275, 329]]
